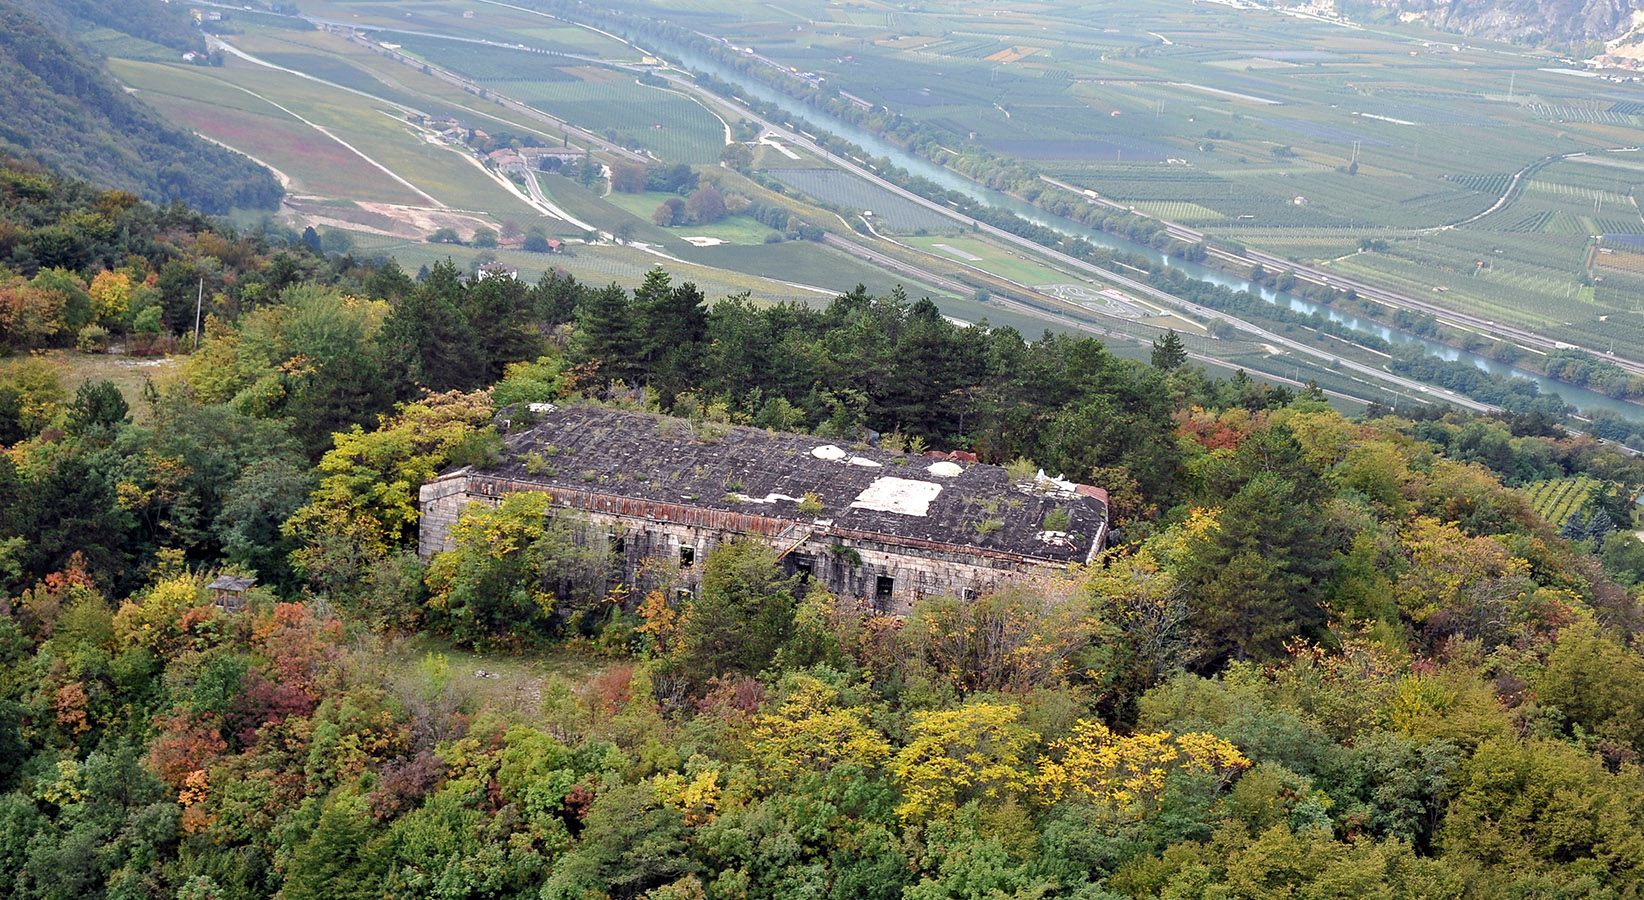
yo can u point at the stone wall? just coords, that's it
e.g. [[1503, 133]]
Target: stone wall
[[658, 544]]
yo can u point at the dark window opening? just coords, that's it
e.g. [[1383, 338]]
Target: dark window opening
[[684, 594], [883, 587], [621, 546], [803, 568], [687, 556]]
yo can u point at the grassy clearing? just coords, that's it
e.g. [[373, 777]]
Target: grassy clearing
[[732, 230], [514, 685], [128, 373]]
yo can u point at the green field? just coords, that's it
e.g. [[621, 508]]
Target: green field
[[669, 124], [991, 256], [317, 164], [838, 188], [1300, 137]]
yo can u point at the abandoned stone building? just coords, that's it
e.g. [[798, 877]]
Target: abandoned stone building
[[883, 527]]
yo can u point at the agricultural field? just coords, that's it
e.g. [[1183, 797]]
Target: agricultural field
[[503, 24], [1300, 137], [891, 213], [314, 163], [988, 255], [1559, 498], [731, 229]]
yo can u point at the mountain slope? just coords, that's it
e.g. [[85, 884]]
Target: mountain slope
[[1530, 21], [61, 110]]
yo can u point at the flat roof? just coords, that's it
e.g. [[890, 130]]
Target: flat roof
[[640, 455]]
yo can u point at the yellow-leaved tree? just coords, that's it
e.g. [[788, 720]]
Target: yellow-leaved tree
[[110, 295], [495, 581], [154, 618], [953, 756], [366, 504], [1128, 773], [812, 732]]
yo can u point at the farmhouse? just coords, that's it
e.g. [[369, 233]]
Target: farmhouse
[[883, 527]]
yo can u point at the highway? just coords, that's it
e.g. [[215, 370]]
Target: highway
[[1415, 388], [1445, 314]]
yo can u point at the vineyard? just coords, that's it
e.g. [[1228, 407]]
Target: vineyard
[[1556, 499], [671, 126]]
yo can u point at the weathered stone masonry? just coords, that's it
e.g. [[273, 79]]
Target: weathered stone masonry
[[891, 531]]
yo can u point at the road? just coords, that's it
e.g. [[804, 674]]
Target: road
[[1448, 315], [1381, 375], [449, 77], [542, 200]]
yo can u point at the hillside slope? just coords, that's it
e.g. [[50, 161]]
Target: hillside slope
[[1529, 21], [63, 111]]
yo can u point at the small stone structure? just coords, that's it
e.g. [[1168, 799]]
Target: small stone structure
[[885, 528]]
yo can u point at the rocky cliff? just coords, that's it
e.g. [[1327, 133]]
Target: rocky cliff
[[1553, 22]]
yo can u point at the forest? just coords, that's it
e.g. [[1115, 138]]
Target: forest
[[63, 111], [1328, 657]]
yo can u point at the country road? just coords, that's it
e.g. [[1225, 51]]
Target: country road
[[712, 100], [543, 201], [1385, 296], [794, 137]]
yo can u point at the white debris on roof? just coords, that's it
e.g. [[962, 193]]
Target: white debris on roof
[[946, 469], [898, 495], [865, 462], [1056, 538], [1046, 486], [829, 452], [768, 498]]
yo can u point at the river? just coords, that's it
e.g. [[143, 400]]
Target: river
[[1581, 398]]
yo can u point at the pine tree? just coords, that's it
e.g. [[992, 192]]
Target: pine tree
[[1168, 351], [608, 333], [673, 323], [1573, 528], [1600, 527]]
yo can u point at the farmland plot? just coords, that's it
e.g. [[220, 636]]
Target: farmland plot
[[837, 188]]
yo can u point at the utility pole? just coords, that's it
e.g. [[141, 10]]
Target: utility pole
[[199, 304]]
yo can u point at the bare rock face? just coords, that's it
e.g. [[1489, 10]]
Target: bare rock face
[[1529, 21]]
